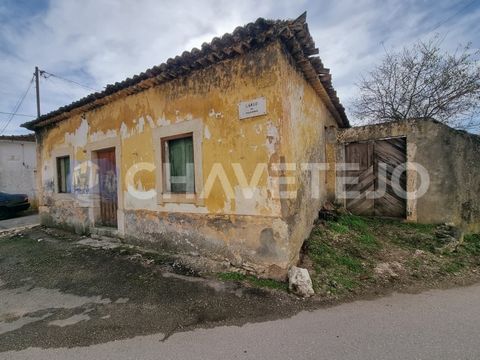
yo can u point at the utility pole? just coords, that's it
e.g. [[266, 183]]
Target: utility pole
[[37, 85]]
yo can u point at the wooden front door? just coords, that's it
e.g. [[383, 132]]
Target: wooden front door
[[361, 154], [107, 182], [376, 161], [388, 154]]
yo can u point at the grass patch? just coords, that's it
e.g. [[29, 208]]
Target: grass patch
[[471, 244], [409, 238], [337, 252], [338, 228], [343, 282], [353, 222], [352, 264], [232, 276], [452, 267], [343, 254], [369, 242], [419, 228], [257, 282]]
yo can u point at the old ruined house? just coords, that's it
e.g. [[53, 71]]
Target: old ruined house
[[441, 181], [256, 96]]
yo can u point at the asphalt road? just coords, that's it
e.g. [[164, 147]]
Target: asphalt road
[[440, 324], [19, 220]]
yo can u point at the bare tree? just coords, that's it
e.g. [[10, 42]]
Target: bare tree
[[421, 81]]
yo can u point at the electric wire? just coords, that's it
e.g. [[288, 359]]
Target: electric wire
[[462, 9], [10, 113], [47, 74], [17, 106]]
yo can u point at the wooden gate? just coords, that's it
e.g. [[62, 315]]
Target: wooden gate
[[377, 160], [107, 182]]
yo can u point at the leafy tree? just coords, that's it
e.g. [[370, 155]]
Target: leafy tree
[[422, 81]]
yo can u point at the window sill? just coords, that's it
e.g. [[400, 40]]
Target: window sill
[[179, 198], [63, 196]]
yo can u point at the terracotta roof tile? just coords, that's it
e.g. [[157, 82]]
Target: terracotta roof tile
[[294, 34]]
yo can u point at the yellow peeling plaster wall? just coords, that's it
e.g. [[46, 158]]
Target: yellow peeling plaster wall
[[304, 142], [253, 234]]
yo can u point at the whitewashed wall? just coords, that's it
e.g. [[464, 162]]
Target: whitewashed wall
[[18, 167]]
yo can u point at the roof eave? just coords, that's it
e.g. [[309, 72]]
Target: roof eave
[[294, 34]]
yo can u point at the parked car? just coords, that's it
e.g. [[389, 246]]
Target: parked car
[[12, 203]]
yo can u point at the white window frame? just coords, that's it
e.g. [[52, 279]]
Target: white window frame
[[192, 128], [64, 177], [55, 154]]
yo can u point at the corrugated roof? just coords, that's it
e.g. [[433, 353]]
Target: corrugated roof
[[294, 34]]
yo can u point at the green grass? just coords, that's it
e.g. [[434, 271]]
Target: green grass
[[408, 237], [345, 252], [452, 267], [352, 264], [471, 244], [369, 242], [353, 222], [344, 282], [419, 228], [326, 256], [359, 228], [231, 276], [337, 254], [257, 282], [338, 228]]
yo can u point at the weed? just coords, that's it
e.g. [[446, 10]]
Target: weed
[[336, 267], [452, 267], [368, 242], [232, 276], [352, 264], [417, 227], [345, 252], [471, 244], [416, 240], [268, 283], [344, 282], [353, 222], [414, 263], [322, 254], [338, 228]]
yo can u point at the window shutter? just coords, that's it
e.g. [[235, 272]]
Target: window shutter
[[182, 175]]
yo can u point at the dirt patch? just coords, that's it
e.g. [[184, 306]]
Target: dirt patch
[[353, 257]]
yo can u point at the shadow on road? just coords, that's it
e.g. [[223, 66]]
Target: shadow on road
[[57, 293]]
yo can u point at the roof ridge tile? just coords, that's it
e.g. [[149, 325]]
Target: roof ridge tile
[[294, 34]]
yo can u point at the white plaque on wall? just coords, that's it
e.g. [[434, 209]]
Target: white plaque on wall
[[252, 108]]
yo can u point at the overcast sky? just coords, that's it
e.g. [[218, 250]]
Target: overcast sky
[[97, 42]]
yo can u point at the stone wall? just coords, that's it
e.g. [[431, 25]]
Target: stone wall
[[452, 160]]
